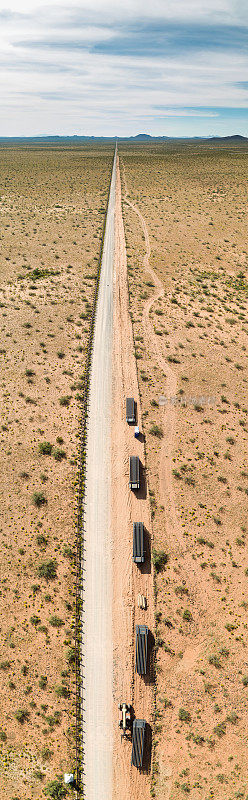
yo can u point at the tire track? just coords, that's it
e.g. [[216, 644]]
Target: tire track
[[166, 493]]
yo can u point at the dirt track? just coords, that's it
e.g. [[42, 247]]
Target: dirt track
[[127, 507], [153, 346]]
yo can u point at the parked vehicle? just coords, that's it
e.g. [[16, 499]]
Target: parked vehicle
[[134, 472], [130, 410], [125, 723], [139, 727], [138, 543], [141, 649]]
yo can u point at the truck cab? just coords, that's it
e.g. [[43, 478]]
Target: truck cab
[[125, 719]]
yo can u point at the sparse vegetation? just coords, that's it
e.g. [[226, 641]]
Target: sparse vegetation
[[21, 715], [157, 431], [43, 682], [55, 789], [187, 615], [184, 715], [59, 453], [56, 621], [65, 401], [39, 499], [45, 448], [48, 569], [160, 559], [62, 691]]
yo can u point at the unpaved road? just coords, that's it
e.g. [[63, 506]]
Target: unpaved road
[[97, 651], [127, 506]]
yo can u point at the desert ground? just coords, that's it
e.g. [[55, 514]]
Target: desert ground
[[185, 212], [52, 209], [183, 312]]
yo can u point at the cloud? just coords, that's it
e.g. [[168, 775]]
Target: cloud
[[105, 64], [156, 40], [225, 11]]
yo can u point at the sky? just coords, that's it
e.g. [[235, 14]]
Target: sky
[[111, 68]]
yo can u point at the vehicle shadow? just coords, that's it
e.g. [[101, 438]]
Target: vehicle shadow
[[150, 674], [140, 437], [146, 767], [142, 491], [145, 568]]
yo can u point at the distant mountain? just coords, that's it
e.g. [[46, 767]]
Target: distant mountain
[[141, 138], [144, 137], [55, 139], [235, 138]]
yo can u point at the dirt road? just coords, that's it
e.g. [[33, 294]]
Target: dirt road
[[127, 506], [111, 581], [97, 654]]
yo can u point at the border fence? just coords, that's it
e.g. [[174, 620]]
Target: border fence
[[79, 522]]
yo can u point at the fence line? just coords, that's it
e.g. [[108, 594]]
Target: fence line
[[80, 525]]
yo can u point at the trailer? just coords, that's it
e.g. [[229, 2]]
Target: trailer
[[138, 543], [130, 410], [134, 472], [141, 649], [139, 726]]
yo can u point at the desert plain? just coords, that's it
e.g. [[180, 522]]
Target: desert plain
[[52, 210], [184, 209]]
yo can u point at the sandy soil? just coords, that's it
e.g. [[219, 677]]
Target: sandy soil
[[189, 317], [51, 209], [127, 507]]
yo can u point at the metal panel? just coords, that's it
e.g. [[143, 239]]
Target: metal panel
[[134, 480], [138, 742], [138, 542], [141, 649], [130, 409]]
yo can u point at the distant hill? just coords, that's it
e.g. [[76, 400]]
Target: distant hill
[[54, 139], [145, 137], [236, 138], [140, 138]]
